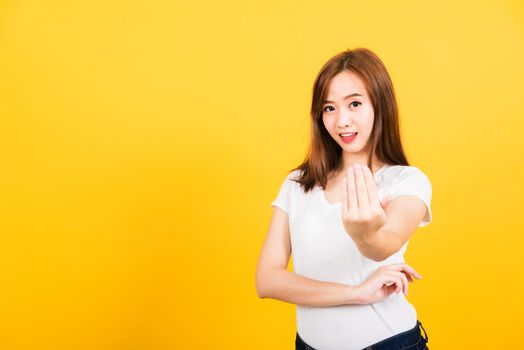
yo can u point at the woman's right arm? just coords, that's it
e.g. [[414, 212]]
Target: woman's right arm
[[274, 281]]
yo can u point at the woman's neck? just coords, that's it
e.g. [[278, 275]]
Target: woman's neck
[[343, 166]]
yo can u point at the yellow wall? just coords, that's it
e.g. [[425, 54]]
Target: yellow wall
[[142, 143]]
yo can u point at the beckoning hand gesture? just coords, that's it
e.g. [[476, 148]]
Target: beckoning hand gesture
[[362, 210]]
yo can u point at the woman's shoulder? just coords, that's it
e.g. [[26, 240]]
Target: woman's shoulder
[[409, 180], [403, 170], [294, 174], [291, 178], [398, 173]]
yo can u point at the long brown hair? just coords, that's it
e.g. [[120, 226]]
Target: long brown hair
[[324, 154]]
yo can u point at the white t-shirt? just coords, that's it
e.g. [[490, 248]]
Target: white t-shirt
[[322, 250]]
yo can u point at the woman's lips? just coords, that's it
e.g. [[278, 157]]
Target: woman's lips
[[348, 139]]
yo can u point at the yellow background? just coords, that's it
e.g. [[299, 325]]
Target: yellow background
[[143, 142]]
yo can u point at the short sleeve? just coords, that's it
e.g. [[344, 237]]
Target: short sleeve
[[283, 199], [412, 181]]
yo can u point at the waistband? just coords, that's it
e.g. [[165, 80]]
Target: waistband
[[410, 336]]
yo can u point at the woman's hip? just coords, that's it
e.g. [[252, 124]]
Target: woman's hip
[[412, 339]]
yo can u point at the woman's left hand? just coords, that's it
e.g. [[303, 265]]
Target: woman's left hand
[[362, 211]]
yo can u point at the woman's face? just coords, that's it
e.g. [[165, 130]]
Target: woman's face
[[348, 109]]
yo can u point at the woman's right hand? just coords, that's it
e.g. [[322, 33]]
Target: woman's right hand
[[385, 281]]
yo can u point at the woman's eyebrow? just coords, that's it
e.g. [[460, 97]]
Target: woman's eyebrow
[[345, 97]]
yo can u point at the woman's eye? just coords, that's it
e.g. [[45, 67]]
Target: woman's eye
[[354, 104]]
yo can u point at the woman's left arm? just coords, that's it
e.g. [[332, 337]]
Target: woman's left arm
[[379, 229]]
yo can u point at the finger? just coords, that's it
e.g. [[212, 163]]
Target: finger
[[405, 267], [345, 202], [389, 278], [408, 276], [391, 289], [397, 279], [404, 283], [371, 187], [399, 284], [362, 192], [352, 191], [411, 270]]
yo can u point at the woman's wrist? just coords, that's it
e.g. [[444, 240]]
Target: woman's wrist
[[354, 296]]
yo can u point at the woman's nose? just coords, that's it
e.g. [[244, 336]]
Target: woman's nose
[[344, 120]]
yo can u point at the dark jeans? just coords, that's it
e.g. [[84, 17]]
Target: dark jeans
[[411, 339]]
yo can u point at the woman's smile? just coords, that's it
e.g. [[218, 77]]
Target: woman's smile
[[349, 138]]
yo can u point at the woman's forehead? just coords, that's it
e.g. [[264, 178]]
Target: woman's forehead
[[346, 83]]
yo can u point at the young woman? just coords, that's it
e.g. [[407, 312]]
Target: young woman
[[346, 215]]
